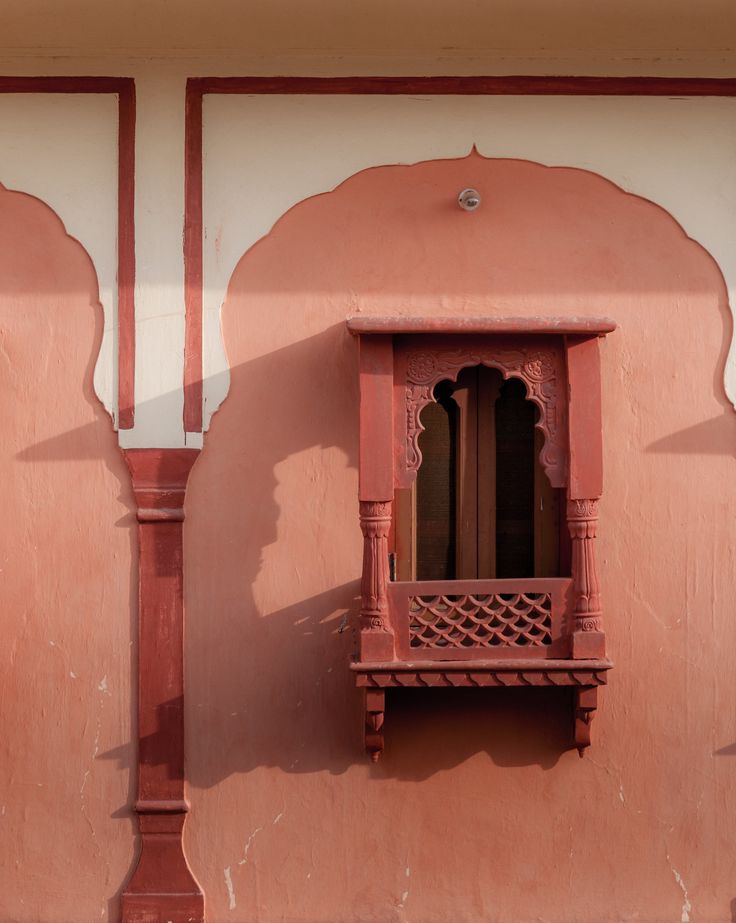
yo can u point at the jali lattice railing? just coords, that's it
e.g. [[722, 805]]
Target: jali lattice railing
[[477, 619]]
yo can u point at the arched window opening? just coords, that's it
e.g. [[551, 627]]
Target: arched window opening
[[482, 505], [436, 489]]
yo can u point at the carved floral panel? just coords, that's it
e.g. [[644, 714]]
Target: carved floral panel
[[539, 366]]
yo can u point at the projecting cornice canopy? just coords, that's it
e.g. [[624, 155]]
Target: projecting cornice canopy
[[591, 326]]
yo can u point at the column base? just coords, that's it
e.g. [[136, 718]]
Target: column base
[[588, 645], [162, 888], [163, 908]]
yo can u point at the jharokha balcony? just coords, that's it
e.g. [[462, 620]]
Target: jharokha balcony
[[480, 475]]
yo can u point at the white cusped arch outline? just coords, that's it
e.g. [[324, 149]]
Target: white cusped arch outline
[[97, 306], [676, 154]]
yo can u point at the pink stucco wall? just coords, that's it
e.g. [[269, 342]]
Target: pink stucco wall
[[477, 811], [67, 536]]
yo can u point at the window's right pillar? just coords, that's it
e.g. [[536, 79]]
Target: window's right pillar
[[584, 490]]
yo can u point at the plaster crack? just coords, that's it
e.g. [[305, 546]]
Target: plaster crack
[[85, 778], [246, 848]]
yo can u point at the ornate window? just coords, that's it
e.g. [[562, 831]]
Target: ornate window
[[475, 434]]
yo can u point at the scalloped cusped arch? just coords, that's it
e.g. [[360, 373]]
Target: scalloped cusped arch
[[67, 603]]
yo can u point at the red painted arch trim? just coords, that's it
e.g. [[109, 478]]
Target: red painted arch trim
[[197, 87], [193, 260], [124, 88], [472, 86], [126, 256]]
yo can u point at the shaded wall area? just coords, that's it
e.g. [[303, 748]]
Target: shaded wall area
[[67, 536], [477, 811]]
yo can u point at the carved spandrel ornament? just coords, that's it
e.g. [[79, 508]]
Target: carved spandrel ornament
[[540, 368]]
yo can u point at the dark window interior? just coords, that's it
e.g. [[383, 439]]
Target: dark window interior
[[483, 506]]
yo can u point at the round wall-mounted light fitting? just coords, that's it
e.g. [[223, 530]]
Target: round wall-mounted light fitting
[[468, 199]]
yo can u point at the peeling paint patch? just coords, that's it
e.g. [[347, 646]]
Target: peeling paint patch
[[278, 817], [103, 687], [230, 889], [405, 894], [686, 905], [72, 674]]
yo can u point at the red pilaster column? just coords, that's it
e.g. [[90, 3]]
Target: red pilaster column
[[162, 888]]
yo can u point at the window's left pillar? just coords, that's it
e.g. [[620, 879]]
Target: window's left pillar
[[162, 887], [376, 487]]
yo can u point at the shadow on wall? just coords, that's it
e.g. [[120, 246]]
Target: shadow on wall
[[270, 682], [277, 689], [711, 437], [271, 686], [279, 692]]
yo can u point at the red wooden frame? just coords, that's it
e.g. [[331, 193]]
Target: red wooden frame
[[525, 631], [124, 88], [198, 87]]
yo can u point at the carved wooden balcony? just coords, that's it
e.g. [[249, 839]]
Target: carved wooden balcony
[[480, 628]]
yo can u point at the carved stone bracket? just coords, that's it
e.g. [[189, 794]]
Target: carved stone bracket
[[540, 367], [586, 703], [375, 706], [585, 677]]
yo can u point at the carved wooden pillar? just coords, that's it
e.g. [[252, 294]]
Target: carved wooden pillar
[[585, 486], [588, 639], [162, 888], [376, 636]]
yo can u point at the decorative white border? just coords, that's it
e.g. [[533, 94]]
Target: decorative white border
[[264, 154], [63, 149]]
